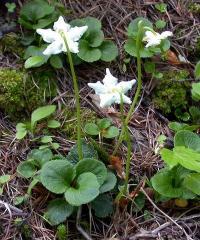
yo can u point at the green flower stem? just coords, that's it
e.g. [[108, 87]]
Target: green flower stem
[[139, 87], [76, 92]]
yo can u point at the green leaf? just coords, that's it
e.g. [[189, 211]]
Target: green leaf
[[192, 182], [32, 51], [102, 206], [27, 169], [41, 113], [196, 91], [19, 200], [4, 178], [21, 130], [92, 23], [130, 48], [11, 7], [40, 156], [149, 67], [169, 183], [88, 152], [104, 123], [161, 7], [160, 24], [109, 51], [85, 190], [46, 139], [109, 183], [57, 175], [87, 53], [111, 132], [36, 9], [58, 210], [195, 113], [187, 139], [55, 145], [197, 70], [176, 126], [168, 156], [53, 124], [91, 129], [42, 23], [133, 26], [94, 166], [35, 61], [56, 61], [95, 38]]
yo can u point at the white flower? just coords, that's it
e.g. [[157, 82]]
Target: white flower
[[154, 38], [110, 91], [56, 40]]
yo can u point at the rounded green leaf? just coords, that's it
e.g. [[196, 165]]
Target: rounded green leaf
[[56, 61], [57, 175], [133, 26], [109, 183], [85, 190], [35, 61], [94, 166], [40, 156], [130, 48], [53, 124], [58, 210], [197, 70], [192, 182], [102, 206], [87, 53], [187, 139], [160, 24], [4, 178], [21, 131], [27, 169], [109, 51], [111, 132], [46, 139], [104, 123], [91, 129], [95, 38], [92, 23]]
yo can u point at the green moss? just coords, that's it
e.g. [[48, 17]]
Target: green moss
[[22, 92], [11, 43], [70, 126], [171, 91], [194, 7]]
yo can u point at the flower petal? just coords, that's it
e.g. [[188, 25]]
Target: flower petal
[[106, 100], [124, 86], [98, 87], [48, 35], [166, 34], [54, 48], [76, 33], [126, 99], [73, 46], [148, 35], [60, 24], [109, 80]]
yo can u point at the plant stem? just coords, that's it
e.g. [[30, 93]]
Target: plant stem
[[139, 87], [76, 92]]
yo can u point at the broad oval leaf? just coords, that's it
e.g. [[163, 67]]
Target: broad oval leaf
[[87, 53], [109, 183], [103, 206], [27, 169], [40, 156], [56, 61], [58, 210], [111, 132], [197, 70], [168, 156], [192, 182], [187, 139], [91, 129], [57, 175], [21, 131], [109, 51], [95, 38], [133, 26], [41, 113], [94, 166], [85, 190], [35, 61], [53, 124]]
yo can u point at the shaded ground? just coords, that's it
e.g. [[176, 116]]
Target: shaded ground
[[146, 125]]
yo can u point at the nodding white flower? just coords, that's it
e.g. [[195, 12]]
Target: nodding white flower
[[55, 37], [153, 38], [111, 91]]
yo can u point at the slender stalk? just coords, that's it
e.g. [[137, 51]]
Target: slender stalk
[[76, 92], [139, 87]]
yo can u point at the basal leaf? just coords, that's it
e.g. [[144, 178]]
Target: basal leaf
[[53, 124], [94, 166], [92, 129], [35, 61], [27, 169], [109, 51], [41, 113], [95, 38], [133, 26], [88, 53], [58, 210], [111, 132], [56, 61], [21, 130], [85, 190], [168, 156], [109, 183], [192, 182], [40, 156], [104, 123], [57, 175], [197, 70], [103, 206], [196, 91]]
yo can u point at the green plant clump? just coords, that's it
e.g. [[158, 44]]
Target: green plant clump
[[194, 7], [171, 91], [19, 95]]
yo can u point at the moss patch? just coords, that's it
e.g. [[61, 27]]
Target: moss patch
[[171, 91], [22, 92]]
